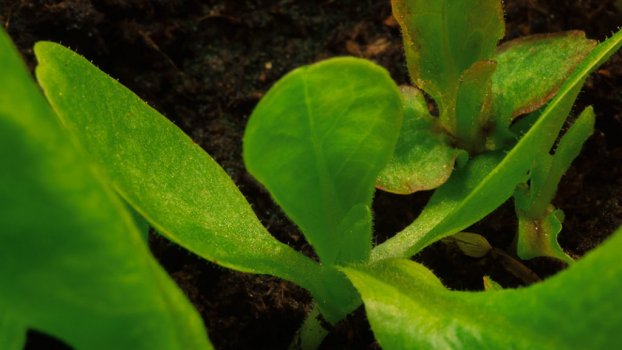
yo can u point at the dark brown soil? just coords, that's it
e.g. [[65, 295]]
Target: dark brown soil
[[205, 64]]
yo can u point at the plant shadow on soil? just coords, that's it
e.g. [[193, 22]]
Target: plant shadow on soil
[[205, 65]]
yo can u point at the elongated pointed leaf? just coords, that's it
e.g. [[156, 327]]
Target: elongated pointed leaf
[[444, 201], [539, 223], [317, 141], [170, 181], [531, 69], [409, 308], [473, 105], [72, 262], [423, 158], [543, 188], [443, 38], [12, 333], [453, 212]]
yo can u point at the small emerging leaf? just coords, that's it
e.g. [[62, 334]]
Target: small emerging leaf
[[423, 158], [473, 105], [490, 285], [471, 244], [317, 141]]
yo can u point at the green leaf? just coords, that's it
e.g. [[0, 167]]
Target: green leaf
[[530, 71], [550, 169], [423, 158], [72, 262], [538, 236], [443, 38], [539, 223], [141, 223], [446, 200], [473, 106], [457, 206], [317, 141], [170, 181], [12, 333], [408, 308]]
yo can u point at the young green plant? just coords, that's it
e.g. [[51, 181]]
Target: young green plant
[[325, 134]]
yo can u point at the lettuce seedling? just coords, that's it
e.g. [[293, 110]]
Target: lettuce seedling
[[479, 89], [322, 137], [72, 261]]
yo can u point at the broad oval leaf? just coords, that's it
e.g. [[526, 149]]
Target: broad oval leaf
[[169, 180], [443, 38], [455, 211], [423, 158], [317, 141], [72, 262], [531, 69], [409, 308]]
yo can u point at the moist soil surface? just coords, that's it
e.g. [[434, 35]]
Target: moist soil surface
[[206, 64]]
